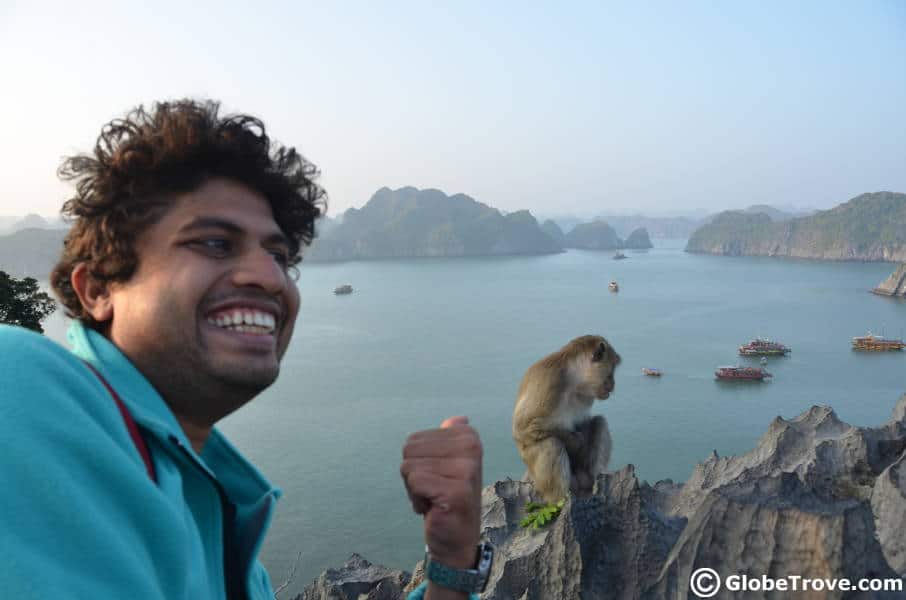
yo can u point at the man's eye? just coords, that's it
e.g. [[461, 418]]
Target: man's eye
[[217, 245], [281, 257]]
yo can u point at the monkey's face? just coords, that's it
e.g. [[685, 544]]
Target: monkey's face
[[604, 362]]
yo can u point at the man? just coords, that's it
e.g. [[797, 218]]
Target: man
[[178, 273]]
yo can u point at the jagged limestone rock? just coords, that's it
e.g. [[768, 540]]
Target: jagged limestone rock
[[357, 579], [817, 498], [888, 503], [895, 285]]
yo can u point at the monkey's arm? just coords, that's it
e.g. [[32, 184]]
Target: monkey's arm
[[573, 441]]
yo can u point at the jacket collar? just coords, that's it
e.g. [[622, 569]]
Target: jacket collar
[[242, 481]]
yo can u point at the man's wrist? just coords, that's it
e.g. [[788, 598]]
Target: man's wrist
[[462, 558], [438, 592], [471, 578]]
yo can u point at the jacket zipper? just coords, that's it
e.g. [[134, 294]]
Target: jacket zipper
[[232, 578]]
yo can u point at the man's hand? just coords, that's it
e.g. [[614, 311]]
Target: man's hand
[[442, 472]]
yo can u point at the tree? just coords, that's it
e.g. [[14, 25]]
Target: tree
[[22, 303]]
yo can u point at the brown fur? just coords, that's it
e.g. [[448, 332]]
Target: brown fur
[[563, 446]]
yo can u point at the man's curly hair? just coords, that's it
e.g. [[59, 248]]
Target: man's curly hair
[[142, 160]]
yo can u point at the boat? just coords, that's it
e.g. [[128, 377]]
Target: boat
[[877, 343], [760, 347], [652, 372], [619, 256], [613, 287], [741, 373], [343, 289]]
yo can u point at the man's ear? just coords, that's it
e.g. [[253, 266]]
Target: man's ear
[[93, 294]]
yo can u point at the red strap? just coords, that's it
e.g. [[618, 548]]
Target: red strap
[[134, 433]]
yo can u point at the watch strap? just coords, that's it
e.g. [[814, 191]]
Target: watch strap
[[461, 580], [419, 593]]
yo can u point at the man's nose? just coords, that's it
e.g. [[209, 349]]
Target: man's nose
[[259, 269]]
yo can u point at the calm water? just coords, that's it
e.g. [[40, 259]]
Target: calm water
[[420, 340]]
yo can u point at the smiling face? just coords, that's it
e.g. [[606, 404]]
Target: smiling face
[[210, 310]]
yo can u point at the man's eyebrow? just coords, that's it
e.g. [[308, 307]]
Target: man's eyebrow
[[277, 237]]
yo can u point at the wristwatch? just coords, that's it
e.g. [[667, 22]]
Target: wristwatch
[[472, 581]]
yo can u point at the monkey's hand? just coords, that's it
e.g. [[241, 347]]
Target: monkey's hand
[[442, 473], [573, 441]]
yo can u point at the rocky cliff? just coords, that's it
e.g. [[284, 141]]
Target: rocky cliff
[[409, 222], [31, 252], [895, 285], [869, 227], [638, 240], [817, 498], [553, 230], [596, 235]]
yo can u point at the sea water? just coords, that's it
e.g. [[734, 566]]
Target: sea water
[[423, 339]]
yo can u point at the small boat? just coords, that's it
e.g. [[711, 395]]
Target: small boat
[[613, 287], [652, 372], [343, 289], [741, 373], [760, 347], [764, 360], [619, 256], [877, 343]]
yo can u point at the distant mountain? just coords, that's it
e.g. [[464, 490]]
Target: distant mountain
[[325, 224], [596, 235], [657, 227], [31, 252], [6, 224], [638, 240], [553, 230], [776, 214], [31, 221], [868, 227], [599, 235], [566, 222], [409, 222]]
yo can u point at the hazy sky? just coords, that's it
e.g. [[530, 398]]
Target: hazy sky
[[567, 108]]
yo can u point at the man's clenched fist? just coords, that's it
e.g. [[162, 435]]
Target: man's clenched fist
[[442, 472]]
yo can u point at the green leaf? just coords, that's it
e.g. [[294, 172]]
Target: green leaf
[[539, 515]]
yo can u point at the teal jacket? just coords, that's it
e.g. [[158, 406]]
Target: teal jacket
[[81, 517]]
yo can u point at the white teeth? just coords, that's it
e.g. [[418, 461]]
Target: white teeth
[[246, 321]]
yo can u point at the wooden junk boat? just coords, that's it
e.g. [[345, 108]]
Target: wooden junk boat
[[741, 373], [877, 343], [760, 347]]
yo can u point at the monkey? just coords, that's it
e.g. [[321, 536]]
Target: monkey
[[563, 446]]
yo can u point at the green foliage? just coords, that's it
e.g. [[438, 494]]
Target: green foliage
[[22, 303], [537, 515]]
